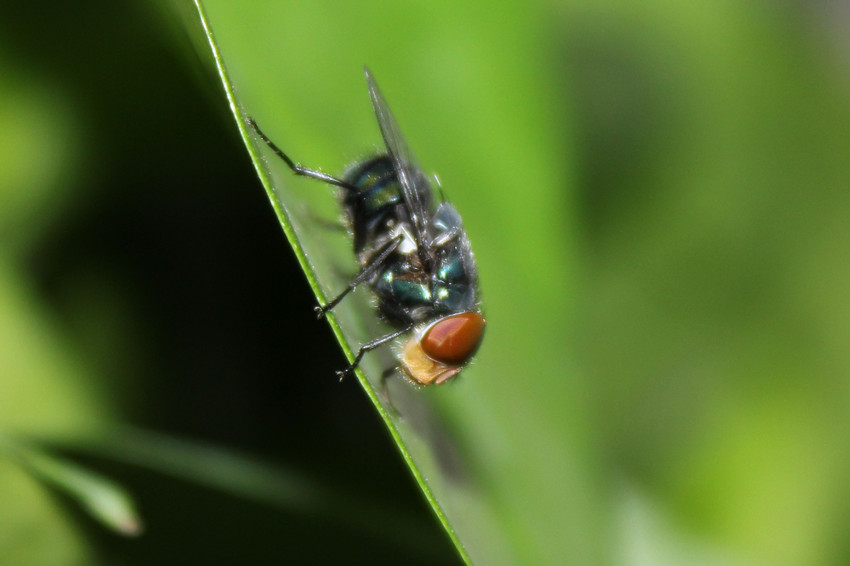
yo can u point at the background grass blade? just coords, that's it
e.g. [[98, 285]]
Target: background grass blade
[[104, 500], [250, 479]]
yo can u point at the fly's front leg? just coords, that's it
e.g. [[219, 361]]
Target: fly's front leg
[[368, 270], [369, 346]]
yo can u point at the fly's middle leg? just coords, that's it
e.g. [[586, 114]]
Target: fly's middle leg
[[368, 270]]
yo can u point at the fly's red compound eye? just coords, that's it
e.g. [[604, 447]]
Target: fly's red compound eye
[[453, 340]]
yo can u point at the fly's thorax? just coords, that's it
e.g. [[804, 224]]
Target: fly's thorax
[[408, 292], [454, 286], [403, 291], [439, 349], [411, 290], [401, 285]]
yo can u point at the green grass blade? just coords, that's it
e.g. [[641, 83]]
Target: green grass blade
[[292, 234], [502, 454]]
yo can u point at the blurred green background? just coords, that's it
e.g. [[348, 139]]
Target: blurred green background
[[657, 196]]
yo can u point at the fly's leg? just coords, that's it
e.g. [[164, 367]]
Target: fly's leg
[[325, 223], [368, 270], [369, 346], [385, 390], [383, 253], [297, 168]]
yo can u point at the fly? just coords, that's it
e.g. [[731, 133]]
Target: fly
[[414, 254]]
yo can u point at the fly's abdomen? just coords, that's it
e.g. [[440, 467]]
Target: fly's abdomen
[[375, 207]]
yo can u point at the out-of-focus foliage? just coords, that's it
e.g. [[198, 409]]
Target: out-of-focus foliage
[[657, 196], [714, 184]]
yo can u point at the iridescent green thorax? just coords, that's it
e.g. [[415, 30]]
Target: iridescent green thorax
[[409, 294]]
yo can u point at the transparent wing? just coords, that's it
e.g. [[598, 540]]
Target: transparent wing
[[416, 189]]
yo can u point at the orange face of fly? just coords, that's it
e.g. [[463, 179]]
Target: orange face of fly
[[438, 352]]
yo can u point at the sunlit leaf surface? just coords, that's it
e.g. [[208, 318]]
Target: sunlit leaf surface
[[502, 453]]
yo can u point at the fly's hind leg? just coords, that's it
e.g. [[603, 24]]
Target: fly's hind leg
[[366, 272], [297, 168]]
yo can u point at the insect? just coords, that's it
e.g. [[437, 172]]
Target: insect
[[413, 253]]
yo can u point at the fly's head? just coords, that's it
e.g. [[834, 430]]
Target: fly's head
[[437, 351]]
